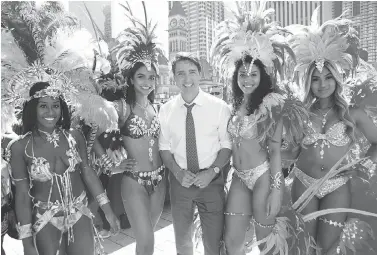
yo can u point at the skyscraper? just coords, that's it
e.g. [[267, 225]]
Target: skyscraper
[[297, 12], [364, 16], [202, 18]]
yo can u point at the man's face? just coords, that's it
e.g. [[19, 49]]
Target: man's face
[[187, 76]]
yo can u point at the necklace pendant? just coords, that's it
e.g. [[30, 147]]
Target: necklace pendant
[[324, 122], [52, 138]]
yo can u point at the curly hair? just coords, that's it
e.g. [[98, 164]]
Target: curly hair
[[341, 107], [256, 98], [29, 111], [130, 90]]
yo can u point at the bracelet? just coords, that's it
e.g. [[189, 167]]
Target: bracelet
[[276, 180], [24, 231], [102, 199], [370, 167]]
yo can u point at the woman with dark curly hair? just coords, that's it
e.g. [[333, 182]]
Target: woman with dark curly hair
[[260, 112]]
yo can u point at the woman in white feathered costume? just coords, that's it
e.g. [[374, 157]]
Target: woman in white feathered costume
[[45, 77], [250, 52], [321, 189]]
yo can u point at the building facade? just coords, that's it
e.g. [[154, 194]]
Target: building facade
[[192, 29], [178, 29], [297, 12], [364, 17], [202, 18]]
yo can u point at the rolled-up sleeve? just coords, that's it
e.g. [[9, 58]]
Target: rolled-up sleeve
[[164, 139], [224, 138]]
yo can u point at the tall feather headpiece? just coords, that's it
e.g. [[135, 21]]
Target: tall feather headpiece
[[334, 41], [137, 43], [249, 33], [56, 52]]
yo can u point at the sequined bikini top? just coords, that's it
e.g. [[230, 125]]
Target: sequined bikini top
[[245, 127], [40, 168], [135, 127], [336, 135]]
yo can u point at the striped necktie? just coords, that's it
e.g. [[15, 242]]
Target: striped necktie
[[191, 151]]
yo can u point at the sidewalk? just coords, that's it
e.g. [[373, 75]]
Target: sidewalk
[[124, 243]]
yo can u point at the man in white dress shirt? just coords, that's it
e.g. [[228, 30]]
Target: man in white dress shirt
[[195, 146]]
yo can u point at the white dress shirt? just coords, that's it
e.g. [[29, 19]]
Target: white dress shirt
[[211, 116]]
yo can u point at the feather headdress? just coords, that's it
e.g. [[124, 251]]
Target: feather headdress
[[56, 52], [334, 41], [249, 33], [137, 43]]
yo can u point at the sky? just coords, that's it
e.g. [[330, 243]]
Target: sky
[[158, 11]]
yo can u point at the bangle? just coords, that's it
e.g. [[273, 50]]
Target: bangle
[[102, 199], [276, 180], [24, 231], [370, 167]]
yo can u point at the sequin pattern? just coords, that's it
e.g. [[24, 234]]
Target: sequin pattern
[[242, 127], [138, 128], [250, 176], [327, 187], [335, 135]]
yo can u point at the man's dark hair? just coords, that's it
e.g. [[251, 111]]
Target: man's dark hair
[[182, 56]]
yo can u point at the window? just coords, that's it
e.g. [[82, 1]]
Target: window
[[356, 8], [292, 12], [337, 6], [283, 7]]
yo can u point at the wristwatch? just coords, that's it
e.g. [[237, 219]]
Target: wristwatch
[[216, 169]]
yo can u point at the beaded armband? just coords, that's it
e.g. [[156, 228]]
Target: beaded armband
[[24, 231], [102, 199], [276, 181]]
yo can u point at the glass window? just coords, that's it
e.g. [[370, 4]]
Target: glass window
[[356, 8]]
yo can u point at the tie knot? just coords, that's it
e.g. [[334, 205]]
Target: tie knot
[[189, 107]]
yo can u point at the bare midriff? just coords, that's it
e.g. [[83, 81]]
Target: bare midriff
[[310, 162], [138, 149], [249, 154]]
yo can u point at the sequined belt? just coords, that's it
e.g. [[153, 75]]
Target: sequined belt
[[327, 187], [147, 178], [72, 213]]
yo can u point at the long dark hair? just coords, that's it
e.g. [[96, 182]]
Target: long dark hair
[[130, 90], [29, 111], [256, 98]]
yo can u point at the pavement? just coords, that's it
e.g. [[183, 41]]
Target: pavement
[[124, 242]]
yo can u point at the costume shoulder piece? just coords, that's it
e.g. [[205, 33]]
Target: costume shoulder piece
[[282, 105]]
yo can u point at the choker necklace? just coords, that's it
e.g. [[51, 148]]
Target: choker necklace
[[145, 108], [51, 138], [324, 120]]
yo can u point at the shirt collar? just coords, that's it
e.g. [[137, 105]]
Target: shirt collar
[[199, 99]]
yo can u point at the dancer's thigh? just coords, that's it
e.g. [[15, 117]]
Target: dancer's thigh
[[137, 204], [47, 241], [340, 198], [239, 202], [157, 201], [83, 237]]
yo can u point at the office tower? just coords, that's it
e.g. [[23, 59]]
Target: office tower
[[297, 12], [200, 23], [364, 16]]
